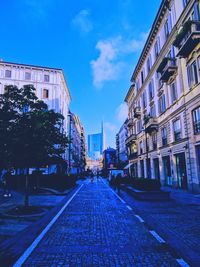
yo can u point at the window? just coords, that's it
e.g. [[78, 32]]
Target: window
[[46, 78], [149, 65], [27, 76], [142, 76], [196, 11], [168, 26], [166, 29], [8, 73], [151, 89], [185, 2], [157, 47], [177, 129], [153, 111], [164, 136], [141, 147], [144, 99], [154, 141], [196, 120], [198, 60], [147, 144], [139, 126], [138, 85], [173, 90], [162, 104], [45, 93], [192, 74]]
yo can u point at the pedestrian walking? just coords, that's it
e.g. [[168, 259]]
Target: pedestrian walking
[[118, 182], [5, 175], [92, 177]]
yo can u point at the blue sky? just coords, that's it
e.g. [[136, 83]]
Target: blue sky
[[96, 43]]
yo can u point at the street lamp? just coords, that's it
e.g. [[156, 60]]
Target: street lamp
[[69, 148], [146, 119]]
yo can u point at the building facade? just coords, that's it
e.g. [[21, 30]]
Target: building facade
[[109, 158], [77, 146], [121, 149], [164, 99], [96, 145], [50, 85]]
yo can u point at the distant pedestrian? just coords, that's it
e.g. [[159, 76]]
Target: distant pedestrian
[[92, 177], [5, 175], [118, 182]]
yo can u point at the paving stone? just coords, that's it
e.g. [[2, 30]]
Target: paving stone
[[97, 229]]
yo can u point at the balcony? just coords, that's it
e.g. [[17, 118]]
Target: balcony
[[137, 112], [167, 68], [133, 155], [131, 139], [151, 125], [130, 122], [188, 38]]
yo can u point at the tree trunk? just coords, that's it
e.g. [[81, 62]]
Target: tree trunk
[[26, 197]]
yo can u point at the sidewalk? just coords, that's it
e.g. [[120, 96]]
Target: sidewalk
[[10, 226], [183, 196], [177, 221]]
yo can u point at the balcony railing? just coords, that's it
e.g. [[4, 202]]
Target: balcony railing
[[167, 68], [133, 155], [151, 125], [187, 38], [131, 139], [137, 112]]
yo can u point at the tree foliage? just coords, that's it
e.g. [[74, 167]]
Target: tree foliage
[[31, 135]]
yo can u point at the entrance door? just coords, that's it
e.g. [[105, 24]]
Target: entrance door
[[181, 170], [167, 170], [198, 159], [156, 169], [148, 161], [142, 168], [134, 170]]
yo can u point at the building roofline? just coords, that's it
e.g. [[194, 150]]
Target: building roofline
[[144, 52], [38, 67], [30, 65]]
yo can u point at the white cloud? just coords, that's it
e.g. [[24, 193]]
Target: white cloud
[[82, 21], [122, 112], [105, 67], [109, 65]]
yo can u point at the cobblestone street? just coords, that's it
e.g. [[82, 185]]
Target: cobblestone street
[[98, 229]]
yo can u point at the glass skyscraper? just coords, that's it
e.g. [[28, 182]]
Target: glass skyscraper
[[96, 145]]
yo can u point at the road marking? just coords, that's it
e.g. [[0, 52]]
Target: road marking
[[139, 218], [157, 237], [182, 263], [129, 207], [114, 192], [30, 249]]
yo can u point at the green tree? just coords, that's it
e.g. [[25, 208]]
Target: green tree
[[36, 136]]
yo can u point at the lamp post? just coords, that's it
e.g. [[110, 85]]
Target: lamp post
[[146, 119], [69, 148]]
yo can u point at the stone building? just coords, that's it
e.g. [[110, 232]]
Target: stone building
[[164, 99], [121, 149], [77, 147], [50, 84]]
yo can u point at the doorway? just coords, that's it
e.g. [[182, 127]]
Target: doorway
[[181, 171], [156, 168], [167, 170]]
